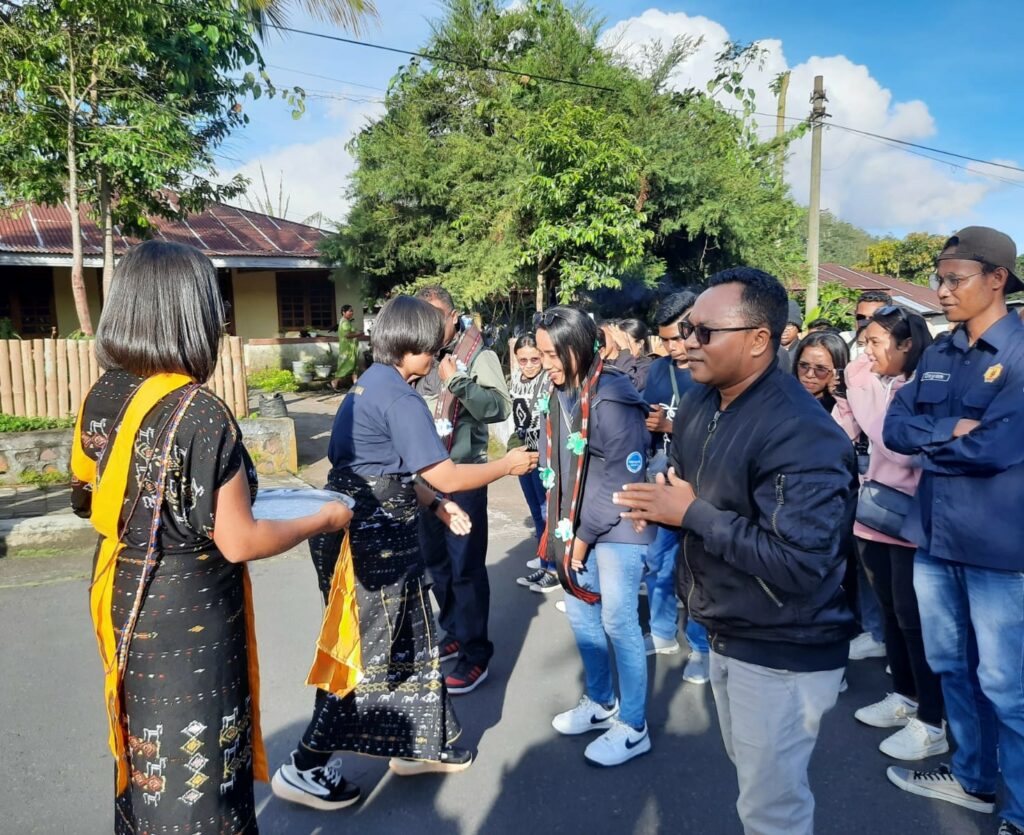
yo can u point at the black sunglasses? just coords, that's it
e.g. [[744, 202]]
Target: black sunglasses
[[889, 309], [703, 332], [546, 319]]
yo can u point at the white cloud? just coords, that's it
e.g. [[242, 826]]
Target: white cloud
[[314, 174], [865, 181]]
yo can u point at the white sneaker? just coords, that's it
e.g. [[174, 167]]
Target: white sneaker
[[893, 711], [534, 563], [864, 646], [588, 715], [617, 745], [696, 669], [660, 646], [940, 784], [915, 742]]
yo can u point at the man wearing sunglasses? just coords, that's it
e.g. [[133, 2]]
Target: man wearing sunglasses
[[962, 416], [762, 489]]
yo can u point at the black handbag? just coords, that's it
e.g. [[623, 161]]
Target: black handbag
[[882, 508]]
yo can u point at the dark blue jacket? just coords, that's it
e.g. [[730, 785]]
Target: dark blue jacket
[[971, 495], [619, 442], [763, 546]]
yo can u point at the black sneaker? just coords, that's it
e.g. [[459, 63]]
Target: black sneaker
[[531, 578], [449, 649], [319, 788], [1007, 828], [452, 761], [465, 678], [546, 584]]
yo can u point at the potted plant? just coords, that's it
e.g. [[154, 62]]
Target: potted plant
[[323, 368], [273, 383]]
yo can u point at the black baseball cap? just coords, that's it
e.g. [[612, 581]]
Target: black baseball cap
[[985, 245]]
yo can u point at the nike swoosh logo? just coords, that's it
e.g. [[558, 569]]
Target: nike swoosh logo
[[631, 745], [595, 720], [308, 786]]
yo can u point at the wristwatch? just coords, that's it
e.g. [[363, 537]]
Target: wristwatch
[[436, 503]]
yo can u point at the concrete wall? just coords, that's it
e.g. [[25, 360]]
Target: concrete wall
[[64, 301], [255, 304], [261, 354], [270, 441]]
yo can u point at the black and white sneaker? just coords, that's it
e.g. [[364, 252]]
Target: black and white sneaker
[[1007, 828], [451, 761], [531, 578], [319, 788], [546, 584], [942, 785]]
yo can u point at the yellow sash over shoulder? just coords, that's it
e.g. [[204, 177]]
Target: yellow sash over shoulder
[[337, 665], [107, 503]]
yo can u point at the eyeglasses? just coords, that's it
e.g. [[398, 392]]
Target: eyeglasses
[[950, 282], [546, 319], [528, 360], [819, 371], [703, 332]]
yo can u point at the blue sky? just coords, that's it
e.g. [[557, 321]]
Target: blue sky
[[930, 73]]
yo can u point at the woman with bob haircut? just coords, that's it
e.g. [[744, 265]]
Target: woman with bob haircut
[[160, 468], [818, 364], [383, 436], [895, 338], [594, 440]]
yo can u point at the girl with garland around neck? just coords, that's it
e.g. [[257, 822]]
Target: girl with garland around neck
[[593, 441]]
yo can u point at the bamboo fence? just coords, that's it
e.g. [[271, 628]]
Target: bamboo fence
[[50, 377]]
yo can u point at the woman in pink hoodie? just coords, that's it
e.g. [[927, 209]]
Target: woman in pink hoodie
[[895, 340]]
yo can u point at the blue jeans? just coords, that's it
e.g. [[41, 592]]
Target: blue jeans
[[536, 499], [661, 583], [614, 570], [872, 620], [973, 624]]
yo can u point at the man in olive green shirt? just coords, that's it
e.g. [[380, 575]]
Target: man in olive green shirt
[[465, 391]]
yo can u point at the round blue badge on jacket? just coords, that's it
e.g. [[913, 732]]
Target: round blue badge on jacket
[[635, 462]]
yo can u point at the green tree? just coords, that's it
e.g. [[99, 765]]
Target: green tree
[[840, 242], [581, 199], [350, 14], [912, 258], [448, 182]]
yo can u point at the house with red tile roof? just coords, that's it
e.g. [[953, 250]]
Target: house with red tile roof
[[271, 275]]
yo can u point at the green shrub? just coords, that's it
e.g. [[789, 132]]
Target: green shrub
[[273, 380], [10, 423], [37, 479]]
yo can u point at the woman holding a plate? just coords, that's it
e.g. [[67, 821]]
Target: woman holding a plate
[[383, 436]]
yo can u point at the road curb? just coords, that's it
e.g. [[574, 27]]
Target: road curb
[[56, 532]]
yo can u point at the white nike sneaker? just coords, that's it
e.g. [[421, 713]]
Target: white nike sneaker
[[588, 715], [319, 788], [619, 744], [916, 741], [893, 711]]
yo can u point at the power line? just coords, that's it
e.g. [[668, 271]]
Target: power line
[[327, 78]]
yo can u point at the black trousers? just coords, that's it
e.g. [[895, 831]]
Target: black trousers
[[457, 566], [890, 570]]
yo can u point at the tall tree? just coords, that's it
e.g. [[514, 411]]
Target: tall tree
[[912, 258], [449, 184]]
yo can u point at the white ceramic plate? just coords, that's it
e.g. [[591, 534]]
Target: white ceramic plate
[[287, 503]]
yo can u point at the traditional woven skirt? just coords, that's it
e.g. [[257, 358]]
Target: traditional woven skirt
[[401, 707]]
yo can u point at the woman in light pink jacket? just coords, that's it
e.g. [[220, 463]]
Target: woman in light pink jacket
[[895, 340]]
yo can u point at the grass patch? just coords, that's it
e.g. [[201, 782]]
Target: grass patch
[[31, 553], [11, 423], [50, 479], [272, 380]]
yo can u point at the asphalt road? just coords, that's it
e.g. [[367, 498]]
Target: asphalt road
[[56, 773]]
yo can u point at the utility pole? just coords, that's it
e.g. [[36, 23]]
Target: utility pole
[[814, 210], [780, 123]]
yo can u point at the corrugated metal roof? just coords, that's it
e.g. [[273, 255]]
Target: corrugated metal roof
[[219, 230], [914, 296]]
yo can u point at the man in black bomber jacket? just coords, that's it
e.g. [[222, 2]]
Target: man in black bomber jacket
[[763, 489]]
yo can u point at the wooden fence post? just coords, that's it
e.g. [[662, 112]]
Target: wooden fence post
[[50, 378], [6, 384], [17, 378], [29, 370], [63, 389], [241, 405]]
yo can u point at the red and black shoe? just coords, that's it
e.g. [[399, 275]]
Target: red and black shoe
[[450, 649], [465, 678]]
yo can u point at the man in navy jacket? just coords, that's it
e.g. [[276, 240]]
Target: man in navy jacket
[[762, 486], [963, 417]]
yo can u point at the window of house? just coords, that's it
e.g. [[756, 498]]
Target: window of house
[[26, 298], [306, 303]]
